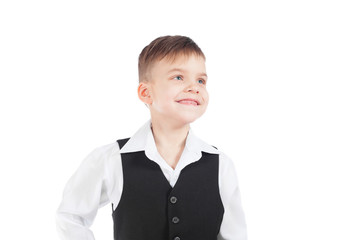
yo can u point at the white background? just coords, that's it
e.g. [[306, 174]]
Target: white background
[[284, 104]]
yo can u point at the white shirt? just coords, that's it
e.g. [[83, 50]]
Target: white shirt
[[99, 181]]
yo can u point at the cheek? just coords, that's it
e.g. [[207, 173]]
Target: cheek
[[166, 96], [205, 96]]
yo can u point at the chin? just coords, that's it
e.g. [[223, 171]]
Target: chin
[[188, 119]]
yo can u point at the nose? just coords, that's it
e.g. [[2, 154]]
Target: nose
[[194, 91], [193, 88]]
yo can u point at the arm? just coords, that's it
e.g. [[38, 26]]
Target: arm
[[85, 192], [233, 226]]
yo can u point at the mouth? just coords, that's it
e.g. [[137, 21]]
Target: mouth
[[189, 101]]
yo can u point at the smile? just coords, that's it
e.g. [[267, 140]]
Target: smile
[[188, 102]]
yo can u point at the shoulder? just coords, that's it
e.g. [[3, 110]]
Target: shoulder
[[92, 169], [209, 148], [101, 154], [196, 144], [106, 149], [226, 164], [225, 160]]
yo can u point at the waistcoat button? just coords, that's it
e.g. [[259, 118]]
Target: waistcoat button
[[173, 199], [175, 219], [176, 238]]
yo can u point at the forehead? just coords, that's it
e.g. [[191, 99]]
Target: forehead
[[191, 62]]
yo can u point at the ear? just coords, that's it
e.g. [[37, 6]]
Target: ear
[[144, 93]]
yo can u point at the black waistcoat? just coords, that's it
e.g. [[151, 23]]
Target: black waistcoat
[[150, 209]]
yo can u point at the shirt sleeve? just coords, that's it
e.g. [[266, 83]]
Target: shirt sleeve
[[233, 226], [84, 193]]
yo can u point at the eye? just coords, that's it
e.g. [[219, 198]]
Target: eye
[[178, 78], [202, 81]]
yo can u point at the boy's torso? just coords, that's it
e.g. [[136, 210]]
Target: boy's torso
[[150, 207]]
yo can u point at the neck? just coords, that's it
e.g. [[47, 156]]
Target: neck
[[168, 135]]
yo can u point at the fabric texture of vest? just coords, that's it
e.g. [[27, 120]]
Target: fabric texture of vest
[[150, 208]]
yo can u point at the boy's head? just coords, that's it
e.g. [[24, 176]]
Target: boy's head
[[172, 80], [168, 48]]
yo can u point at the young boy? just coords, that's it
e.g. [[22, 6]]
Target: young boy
[[163, 182]]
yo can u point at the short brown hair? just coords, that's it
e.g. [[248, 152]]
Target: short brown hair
[[165, 47]]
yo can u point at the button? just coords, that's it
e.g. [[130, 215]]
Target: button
[[175, 219], [176, 238], [173, 199]]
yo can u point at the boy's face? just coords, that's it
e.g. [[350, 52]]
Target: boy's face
[[177, 90]]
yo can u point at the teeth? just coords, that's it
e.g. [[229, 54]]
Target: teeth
[[188, 102]]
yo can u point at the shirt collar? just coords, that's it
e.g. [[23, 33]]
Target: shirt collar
[[143, 140]]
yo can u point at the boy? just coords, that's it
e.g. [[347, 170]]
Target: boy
[[163, 182]]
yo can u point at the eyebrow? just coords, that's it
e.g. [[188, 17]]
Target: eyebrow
[[182, 70]]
